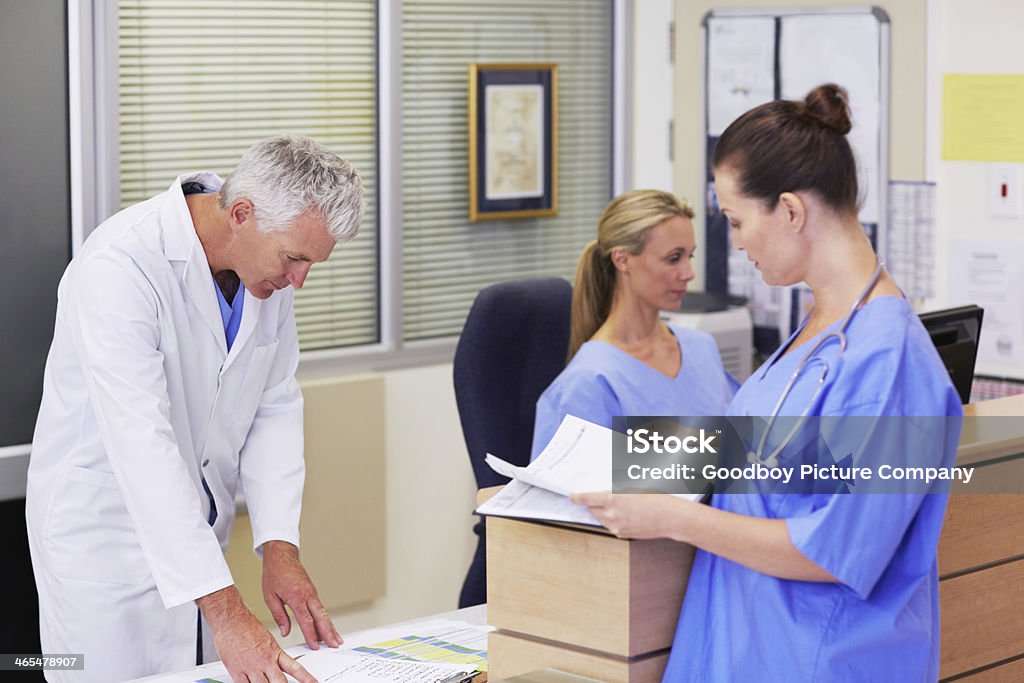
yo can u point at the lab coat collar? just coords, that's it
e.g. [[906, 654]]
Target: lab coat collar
[[179, 233], [245, 327], [181, 243]]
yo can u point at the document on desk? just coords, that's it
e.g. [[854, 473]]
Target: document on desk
[[332, 666], [340, 666], [436, 640], [429, 651]]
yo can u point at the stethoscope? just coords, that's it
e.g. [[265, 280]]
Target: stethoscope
[[772, 461]]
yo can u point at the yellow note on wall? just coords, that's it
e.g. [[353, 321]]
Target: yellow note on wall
[[983, 117]]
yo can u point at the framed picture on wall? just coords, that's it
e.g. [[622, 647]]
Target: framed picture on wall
[[513, 141]]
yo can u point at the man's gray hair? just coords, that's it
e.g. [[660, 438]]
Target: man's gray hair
[[288, 175]]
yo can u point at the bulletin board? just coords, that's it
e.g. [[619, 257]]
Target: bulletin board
[[755, 56]]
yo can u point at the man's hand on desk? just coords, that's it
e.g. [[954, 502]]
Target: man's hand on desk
[[247, 650], [285, 582]]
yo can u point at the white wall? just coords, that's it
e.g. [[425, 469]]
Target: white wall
[[430, 497], [982, 37], [651, 100]]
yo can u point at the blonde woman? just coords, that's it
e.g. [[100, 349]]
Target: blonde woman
[[623, 359]]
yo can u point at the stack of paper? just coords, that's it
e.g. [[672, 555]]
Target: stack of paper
[[434, 640], [431, 651], [332, 666], [578, 459], [340, 666]]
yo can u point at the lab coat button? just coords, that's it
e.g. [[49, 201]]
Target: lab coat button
[[206, 462]]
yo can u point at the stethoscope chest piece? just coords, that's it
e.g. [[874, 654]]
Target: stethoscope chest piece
[[771, 462]]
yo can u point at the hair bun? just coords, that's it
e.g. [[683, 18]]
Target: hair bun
[[829, 104]]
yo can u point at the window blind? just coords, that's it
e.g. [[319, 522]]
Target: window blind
[[200, 81], [447, 259]]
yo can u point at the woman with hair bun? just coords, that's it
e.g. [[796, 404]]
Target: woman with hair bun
[[809, 584], [623, 360]]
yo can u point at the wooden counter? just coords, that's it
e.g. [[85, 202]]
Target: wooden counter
[[586, 602], [981, 554]]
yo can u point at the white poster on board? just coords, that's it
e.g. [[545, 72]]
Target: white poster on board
[[841, 49], [741, 68], [988, 272]]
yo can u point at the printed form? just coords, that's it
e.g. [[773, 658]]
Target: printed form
[[578, 459]]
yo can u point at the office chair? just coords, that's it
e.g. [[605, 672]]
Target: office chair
[[513, 345]]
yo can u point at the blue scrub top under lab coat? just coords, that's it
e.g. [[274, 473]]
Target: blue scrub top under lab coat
[[881, 622], [231, 314], [603, 381]]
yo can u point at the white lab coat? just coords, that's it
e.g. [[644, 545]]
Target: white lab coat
[[141, 400]]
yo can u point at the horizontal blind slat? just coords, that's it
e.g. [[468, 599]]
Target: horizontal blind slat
[[447, 259], [193, 95]]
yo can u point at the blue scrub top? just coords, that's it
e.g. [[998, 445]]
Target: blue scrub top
[[881, 622], [603, 381], [231, 314]]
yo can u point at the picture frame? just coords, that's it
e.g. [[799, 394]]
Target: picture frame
[[513, 141]]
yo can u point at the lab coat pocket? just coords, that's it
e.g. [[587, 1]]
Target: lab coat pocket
[[90, 535], [255, 381]]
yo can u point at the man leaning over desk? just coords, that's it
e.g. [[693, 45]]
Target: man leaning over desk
[[170, 381]]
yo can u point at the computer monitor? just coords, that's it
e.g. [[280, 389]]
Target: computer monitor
[[955, 333]]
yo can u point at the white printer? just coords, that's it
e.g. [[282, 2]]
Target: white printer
[[725, 319]]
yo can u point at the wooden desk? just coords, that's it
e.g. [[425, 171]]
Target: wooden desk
[[981, 581], [475, 615], [981, 555]]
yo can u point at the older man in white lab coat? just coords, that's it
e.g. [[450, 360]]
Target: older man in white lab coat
[[171, 380]]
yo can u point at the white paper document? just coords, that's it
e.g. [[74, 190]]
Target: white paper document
[[339, 666], [332, 666], [989, 273], [434, 641], [523, 501], [578, 459], [422, 652], [388, 640], [741, 68]]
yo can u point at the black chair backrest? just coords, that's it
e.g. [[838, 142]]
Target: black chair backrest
[[513, 345]]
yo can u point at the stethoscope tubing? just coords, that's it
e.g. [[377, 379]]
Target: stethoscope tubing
[[756, 456]]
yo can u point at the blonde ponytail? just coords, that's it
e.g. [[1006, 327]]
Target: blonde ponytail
[[591, 295]]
